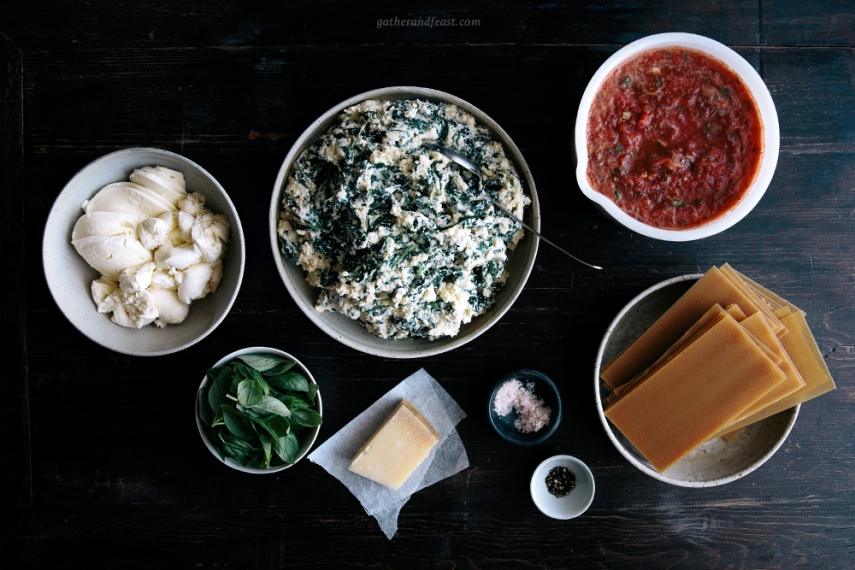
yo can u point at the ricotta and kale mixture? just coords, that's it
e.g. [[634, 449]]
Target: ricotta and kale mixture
[[396, 236]]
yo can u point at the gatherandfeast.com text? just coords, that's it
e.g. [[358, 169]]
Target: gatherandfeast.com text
[[432, 22]]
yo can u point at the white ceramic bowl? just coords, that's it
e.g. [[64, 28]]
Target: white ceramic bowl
[[715, 462], [768, 115], [69, 276], [352, 333], [306, 444], [569, 506]]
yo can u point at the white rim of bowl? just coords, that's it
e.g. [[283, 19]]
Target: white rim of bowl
[[765, 107], [228, 462], [537, 481], [621, 449], [306, 138], [51, 284]]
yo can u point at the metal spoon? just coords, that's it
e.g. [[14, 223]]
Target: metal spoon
[[473, 168]]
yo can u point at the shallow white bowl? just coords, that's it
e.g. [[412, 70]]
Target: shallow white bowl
[[69, 276], [572, 505], [304, 447], [715, 462], [352, 333], [768, 115]]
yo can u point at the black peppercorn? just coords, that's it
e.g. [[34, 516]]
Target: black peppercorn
[[560, 481]]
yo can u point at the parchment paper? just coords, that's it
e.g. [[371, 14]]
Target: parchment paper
[[445, 459]]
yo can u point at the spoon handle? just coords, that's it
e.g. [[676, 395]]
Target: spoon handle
[[455, 156], [535, 232]]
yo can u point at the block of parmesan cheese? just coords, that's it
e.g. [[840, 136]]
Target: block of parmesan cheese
[[397, 448]]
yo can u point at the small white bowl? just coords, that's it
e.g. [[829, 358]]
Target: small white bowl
[[765, 106], [350, 332], [306, 444], [715, 462], [69, 277], [572, 505]]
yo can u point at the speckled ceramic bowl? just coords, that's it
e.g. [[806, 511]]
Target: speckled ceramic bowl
[[765, 106], [352, 333], [715, 462], [69, 277]]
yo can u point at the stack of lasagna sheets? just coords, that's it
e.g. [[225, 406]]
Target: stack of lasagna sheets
[[727, 354]]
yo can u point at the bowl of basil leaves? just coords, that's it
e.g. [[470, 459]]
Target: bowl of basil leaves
[[258, 410]]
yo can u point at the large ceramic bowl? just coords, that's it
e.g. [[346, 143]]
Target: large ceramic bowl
[[69, 276], [768, 115], [352, 333], [715, 462], [307, 439]]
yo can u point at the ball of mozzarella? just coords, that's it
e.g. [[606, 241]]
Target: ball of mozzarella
[[157, 247]]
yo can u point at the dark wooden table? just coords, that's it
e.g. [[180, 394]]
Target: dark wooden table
[[101, 463]]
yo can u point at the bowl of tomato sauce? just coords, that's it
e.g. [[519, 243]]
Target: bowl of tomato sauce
[[677, 137]]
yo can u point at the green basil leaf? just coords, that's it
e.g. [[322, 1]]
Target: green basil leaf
[[281, 368], [293, 402], [267, 449], [290, 381], [249, 393], [212, 373], [219, 388], [287, 448], [279, 450], [212, 437], [252, 412], [237, 422], [292, 447], [252, 374], [280, 426], [306, 417], [205, 413], [313, 390], [237, 449], [237, 442], [242, 370], [237, 454], [265, 387], [264, 424], [256, 458], [261, 362], [272, 405]]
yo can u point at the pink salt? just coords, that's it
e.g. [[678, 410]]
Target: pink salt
[[532, 413]]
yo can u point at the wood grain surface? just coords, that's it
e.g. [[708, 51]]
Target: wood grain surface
[[101, 463]]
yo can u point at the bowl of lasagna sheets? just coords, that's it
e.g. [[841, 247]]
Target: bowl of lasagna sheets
[[699, 379]]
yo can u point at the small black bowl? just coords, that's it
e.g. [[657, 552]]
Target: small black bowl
[[545, 389]]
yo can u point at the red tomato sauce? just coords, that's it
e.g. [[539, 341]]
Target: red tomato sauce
[[674, 138]]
